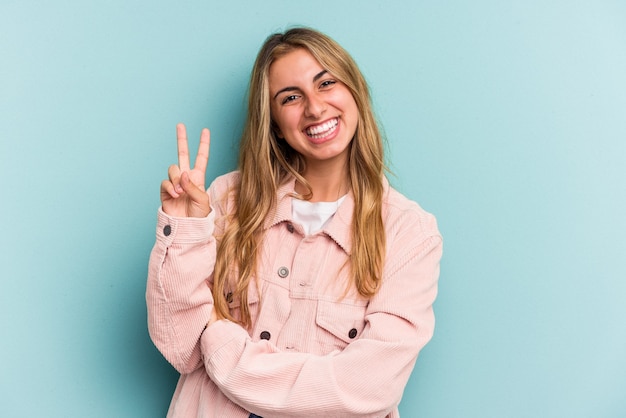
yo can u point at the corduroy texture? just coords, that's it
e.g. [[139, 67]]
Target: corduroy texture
[[314, 350]]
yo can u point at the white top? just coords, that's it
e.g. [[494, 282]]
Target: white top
[[313, 216]]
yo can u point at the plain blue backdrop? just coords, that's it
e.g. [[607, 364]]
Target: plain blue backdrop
[[506, 119]]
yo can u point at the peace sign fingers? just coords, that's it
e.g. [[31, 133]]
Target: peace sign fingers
[[183, 194], [202, 158]]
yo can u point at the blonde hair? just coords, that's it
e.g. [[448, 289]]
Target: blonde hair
[[265, 163]]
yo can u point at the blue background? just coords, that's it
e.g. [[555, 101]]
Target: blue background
[[507, 119]]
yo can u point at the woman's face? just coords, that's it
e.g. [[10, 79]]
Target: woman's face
[[313, 111]]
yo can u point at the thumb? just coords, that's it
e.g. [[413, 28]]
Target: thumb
[[200, 206], [193, 191]]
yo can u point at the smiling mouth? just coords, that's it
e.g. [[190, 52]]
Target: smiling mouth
[[322, 130]]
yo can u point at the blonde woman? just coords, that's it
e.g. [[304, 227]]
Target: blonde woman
[[302, 284]]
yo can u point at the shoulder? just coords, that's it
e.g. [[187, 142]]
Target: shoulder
[[225, 182], [411, 232], [222, 192], [403, 216]]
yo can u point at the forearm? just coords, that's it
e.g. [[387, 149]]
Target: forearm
[[260, 378], [178, 296], [366, 379]]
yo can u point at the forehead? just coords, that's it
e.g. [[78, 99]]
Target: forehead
[[293, 68]]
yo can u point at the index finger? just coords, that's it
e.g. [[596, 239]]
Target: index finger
[[203, 151], [183, 148]]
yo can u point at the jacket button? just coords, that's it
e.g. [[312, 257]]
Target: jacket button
[[167, 230], [290, 227], [283, 272], [352, 333], [265, 335]]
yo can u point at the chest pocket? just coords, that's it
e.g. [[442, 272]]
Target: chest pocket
[[339, 324]]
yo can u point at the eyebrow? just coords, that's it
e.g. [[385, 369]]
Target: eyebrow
[[317, 77]]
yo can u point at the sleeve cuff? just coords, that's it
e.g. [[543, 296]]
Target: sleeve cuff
[[174, 230], [220, 334]]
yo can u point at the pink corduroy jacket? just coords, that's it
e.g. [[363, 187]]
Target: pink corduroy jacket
[[313, 350]]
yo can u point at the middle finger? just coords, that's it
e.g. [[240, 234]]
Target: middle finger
[[203, 151]]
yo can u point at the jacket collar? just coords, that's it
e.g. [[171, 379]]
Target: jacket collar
[[338, 229]]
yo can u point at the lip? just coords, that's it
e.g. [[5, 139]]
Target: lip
[[326, 138]]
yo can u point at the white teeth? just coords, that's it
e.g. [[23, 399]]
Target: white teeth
[[322, 129]]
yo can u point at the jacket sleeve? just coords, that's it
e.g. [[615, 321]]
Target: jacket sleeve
[[368, 377], [178, 296]]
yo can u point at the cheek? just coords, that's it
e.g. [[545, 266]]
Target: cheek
[[277, 122], [349, 104], [353, 111], [286, 121]]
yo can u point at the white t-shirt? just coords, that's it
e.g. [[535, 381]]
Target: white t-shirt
[[313, 216]]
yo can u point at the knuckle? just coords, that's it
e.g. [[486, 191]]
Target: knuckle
[[167, 187]]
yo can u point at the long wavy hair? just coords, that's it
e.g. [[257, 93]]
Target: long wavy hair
[[265, 162]]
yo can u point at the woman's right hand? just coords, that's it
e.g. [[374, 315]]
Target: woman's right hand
[[183, 194]]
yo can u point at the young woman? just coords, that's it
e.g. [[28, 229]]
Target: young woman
[[302, 284]]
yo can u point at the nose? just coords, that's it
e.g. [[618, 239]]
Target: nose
[[315, 106]]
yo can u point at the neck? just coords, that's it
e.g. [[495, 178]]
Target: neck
[[327, 183]]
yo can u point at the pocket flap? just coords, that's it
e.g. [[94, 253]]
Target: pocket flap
[[345, 320]]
